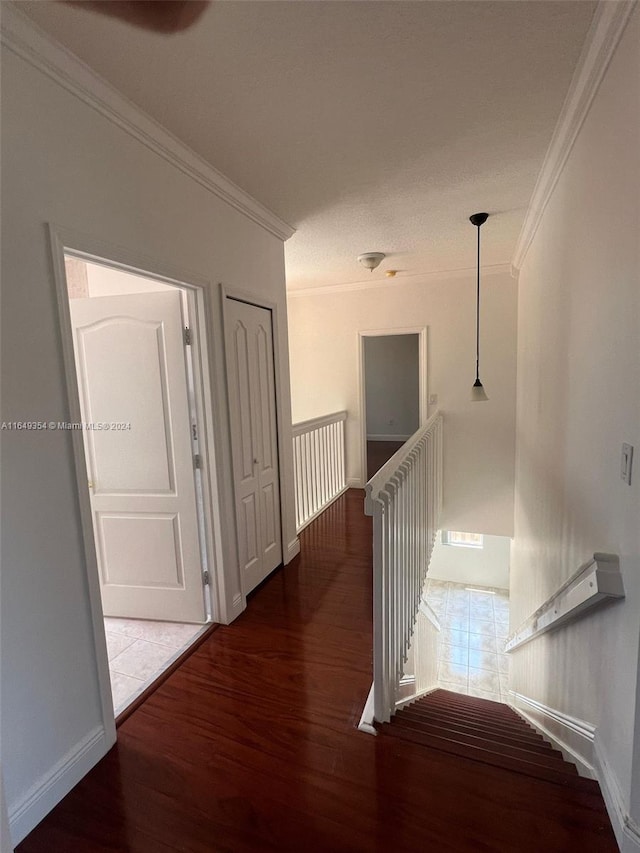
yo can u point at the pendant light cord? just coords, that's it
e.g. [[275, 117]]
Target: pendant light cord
[[478, 311]]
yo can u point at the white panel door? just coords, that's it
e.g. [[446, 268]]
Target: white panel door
[[131, 367], [254, 439]]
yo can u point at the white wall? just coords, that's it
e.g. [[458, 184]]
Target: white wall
[[486, 566], [391, 382], [64, 162], [479, 438], [578, 401]]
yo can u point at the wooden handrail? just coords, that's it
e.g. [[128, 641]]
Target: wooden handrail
[[596, 582]]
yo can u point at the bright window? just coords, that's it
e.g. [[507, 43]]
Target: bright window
[[462, 540]]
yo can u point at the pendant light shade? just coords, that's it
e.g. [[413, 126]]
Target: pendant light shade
[[478, 394]]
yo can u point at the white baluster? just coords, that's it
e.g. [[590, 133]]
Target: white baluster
[[298, 470], [325, 465], [319, 465], [404, 498], [330, 460], [307, 475]]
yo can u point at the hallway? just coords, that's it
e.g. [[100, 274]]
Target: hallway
[[251, 745], [379, 452]]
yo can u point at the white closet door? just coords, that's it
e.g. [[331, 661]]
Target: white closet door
[[252, 403], [131, 368]]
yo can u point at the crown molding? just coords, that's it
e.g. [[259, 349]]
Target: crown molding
[[377, 284], [25, 39], [606, 29]]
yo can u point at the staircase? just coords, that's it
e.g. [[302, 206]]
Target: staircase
[[482, 731]]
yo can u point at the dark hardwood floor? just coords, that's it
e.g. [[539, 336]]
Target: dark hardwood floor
[[251, 745], [379, 452]]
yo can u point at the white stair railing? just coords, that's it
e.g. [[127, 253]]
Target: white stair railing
[[319, 465], [405, 500]]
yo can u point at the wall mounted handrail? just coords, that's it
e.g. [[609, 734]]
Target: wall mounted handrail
[[405, 500], [596, 582], [319, 465]]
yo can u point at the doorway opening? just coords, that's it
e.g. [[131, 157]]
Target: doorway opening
[[468, 590], [140, 439], [392, 408]]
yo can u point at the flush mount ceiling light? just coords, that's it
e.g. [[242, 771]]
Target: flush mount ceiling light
[[371, 260], [478, 394]]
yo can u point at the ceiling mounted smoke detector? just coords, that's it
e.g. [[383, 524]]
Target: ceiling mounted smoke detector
[[371, 260]]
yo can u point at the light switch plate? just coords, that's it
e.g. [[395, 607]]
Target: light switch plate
[[626, 462], [433, 399]]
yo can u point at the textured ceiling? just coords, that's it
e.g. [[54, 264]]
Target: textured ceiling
[[369, 126]]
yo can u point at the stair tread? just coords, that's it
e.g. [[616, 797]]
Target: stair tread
[[468, 704], [478, 719], [463, 698], [558, 774], [481, 719], [535, 745], [546, 759], [472, 704]]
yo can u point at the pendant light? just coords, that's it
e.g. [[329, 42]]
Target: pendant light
[[478, 394]]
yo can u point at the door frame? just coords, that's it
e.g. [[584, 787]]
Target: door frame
[[64, 241], [289, 549], [423, 382]]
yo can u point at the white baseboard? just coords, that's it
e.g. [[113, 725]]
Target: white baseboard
[[406, 687], [366, 720], [626, 830], [573, 737], [56, 783], [630, 837], [293, 549], [408, 699], [578, 742], [385, 437], [355, 483]]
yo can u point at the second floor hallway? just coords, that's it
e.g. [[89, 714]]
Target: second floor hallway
[[252, 744]]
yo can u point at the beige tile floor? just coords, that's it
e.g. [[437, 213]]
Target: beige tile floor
[[473, 630], [139, 650]]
